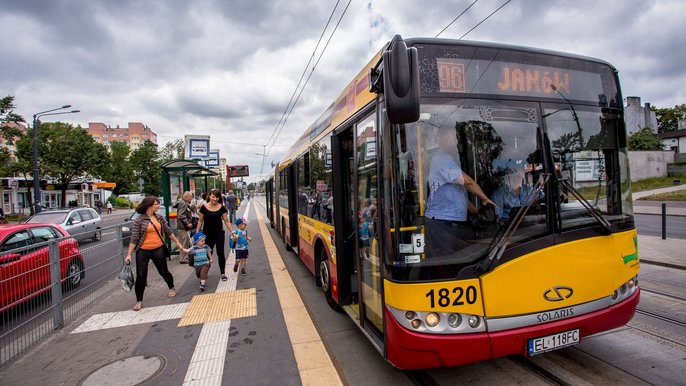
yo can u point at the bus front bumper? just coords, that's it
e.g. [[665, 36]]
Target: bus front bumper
[[406, 349]]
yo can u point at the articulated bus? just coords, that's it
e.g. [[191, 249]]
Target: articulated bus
[[547, 253]]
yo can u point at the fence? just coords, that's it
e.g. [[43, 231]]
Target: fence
[[47, 280]]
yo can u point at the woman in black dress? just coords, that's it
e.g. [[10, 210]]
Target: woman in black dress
[[211, 219]]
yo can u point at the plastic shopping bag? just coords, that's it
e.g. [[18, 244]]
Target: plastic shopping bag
[[126, 277]]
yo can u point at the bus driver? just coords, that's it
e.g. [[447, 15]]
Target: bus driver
[[448, 205]]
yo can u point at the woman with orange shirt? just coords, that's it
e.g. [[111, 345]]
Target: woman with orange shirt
[[147, 241]]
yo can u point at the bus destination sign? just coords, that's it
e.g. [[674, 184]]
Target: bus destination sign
[[484, 77]]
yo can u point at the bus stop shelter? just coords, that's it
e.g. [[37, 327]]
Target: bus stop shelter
[[179, 176]]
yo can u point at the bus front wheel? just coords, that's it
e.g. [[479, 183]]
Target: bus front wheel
[[325, 280]]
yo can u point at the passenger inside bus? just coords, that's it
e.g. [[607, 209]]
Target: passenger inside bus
[[512, 193]]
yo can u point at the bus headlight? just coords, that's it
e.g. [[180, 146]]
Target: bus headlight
[[454, 320], [434, 322], [625, 290], [474, 321], [432, 319]]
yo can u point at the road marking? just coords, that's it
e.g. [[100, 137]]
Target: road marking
[[130, 317], [207, 362], [314, 363]]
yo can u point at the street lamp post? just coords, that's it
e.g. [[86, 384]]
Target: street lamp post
[[36, 179]]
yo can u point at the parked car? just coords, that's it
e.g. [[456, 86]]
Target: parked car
[[25, 271], [82, 223]]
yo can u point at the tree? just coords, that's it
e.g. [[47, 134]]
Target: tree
[[644, 140], [172, 150], [10, 133], [146, 164], [8, 164], [65, 153], [120, 170], [668, 118], [7, 112]]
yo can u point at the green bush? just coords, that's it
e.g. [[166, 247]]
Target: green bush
[[122, 203]]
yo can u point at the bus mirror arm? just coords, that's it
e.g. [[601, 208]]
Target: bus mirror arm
[[375, 77]]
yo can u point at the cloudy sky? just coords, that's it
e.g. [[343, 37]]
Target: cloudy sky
[[228, 68]]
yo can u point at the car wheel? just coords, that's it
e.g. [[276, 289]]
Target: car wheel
[[325, 280], [74, 274], [97, 236]]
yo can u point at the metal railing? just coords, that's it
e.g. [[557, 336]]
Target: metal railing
[[46, 285]]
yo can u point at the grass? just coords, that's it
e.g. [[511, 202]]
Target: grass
[[655, 182], [679, 195]]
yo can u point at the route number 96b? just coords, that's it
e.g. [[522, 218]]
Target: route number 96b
[[459, 296]]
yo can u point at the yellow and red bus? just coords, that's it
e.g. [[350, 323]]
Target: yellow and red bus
[[356, 198]]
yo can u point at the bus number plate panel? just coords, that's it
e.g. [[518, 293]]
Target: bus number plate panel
[[553, 342]]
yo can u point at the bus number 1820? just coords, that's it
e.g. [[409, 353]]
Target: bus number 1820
[[458, 297]]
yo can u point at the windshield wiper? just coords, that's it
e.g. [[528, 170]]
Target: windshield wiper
[[587, 205], [497, 251]]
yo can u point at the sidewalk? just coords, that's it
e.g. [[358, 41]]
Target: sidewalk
[[668, 253]]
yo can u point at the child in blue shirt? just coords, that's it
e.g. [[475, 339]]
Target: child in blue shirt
[[201, 256], [240, 239]]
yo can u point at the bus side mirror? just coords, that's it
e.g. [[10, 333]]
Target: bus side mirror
[[401, 82]]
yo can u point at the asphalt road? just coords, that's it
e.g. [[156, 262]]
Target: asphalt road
[[651, 225]]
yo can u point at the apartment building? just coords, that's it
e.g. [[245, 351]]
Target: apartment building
[[134, 134]]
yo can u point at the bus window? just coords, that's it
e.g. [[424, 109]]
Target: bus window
[[585, 155], [321, 200]]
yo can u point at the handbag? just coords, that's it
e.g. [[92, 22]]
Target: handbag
[[167, 254], [126, 277]]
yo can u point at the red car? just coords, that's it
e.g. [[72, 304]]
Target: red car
[[25, 272]]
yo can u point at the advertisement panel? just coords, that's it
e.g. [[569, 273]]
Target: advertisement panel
[[238, 171]]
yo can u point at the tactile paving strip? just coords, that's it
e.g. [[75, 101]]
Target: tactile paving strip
[[220, 306]]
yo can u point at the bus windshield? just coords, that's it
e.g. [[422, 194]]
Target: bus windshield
[[469, 166]]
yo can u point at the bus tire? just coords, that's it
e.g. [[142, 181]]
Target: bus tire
[[325, 280]]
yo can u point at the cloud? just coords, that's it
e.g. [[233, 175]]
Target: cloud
[[229, 68]]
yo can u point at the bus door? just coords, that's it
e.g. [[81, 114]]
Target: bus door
[[346, 270], [269, 195], [366, 223], [293, 206]]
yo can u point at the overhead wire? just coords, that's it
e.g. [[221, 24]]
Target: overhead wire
[[455, 19], [484, 19], [311, 72], [303, 74]]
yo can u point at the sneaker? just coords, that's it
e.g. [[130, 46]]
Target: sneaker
[[202, 288], [243, 271], [224, 278], [172, 293], [235, 267], [138, 306]]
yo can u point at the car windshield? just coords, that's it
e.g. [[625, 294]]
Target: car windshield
[[48, 218]]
